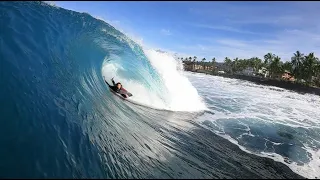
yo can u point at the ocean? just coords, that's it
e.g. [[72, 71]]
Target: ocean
[[59, 120]]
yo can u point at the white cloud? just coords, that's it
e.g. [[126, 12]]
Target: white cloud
[[254, 30], [224, 28], [285, 31], [281, 28], [166, 32], [284, 45], [231, 43]]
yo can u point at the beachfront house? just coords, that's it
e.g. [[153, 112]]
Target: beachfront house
[[192, 66], [264, 72], [198, 67], [287, 76]]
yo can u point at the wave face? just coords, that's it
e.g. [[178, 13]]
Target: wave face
[[59, 120]]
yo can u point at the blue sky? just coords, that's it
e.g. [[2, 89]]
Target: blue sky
[[214, 29]]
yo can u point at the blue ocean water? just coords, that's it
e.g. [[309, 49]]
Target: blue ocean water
[[59, 120]]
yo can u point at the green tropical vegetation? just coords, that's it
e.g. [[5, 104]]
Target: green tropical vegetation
[[304, 68]]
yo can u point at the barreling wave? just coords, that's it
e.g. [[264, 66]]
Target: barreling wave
[[58, 118]]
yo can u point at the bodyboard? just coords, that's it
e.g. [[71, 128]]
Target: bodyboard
[[122, 91]]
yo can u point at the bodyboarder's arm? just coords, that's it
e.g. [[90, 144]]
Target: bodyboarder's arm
[[106, 82], [113, 82]]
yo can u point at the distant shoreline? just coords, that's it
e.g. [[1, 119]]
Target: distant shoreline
[[267, 81]]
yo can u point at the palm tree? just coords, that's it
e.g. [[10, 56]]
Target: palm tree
[[249, 62], [257, 63], [213, 62], [318, 68], [302, 67], [276, 66], [202, 62], [236, 65], [194, 62], [296, 62], [287, 66], [309, 67], [228, 64], [243, 64], [317, 74], [297, 59], [268, 59]]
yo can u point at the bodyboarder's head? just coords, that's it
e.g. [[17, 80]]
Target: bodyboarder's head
[[119, 85]]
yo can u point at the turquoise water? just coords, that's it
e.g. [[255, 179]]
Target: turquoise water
[[59, 120]]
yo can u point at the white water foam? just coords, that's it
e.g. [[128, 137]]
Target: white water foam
[[180, 94], [234, 101]]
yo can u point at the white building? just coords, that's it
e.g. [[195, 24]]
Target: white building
[[264, 71]]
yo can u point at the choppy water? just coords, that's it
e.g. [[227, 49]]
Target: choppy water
[[264, 120], [58, 119]]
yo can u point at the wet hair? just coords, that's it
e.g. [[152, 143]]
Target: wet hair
[[118, 83]]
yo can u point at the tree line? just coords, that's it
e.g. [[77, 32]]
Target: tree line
[[304, 68]]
